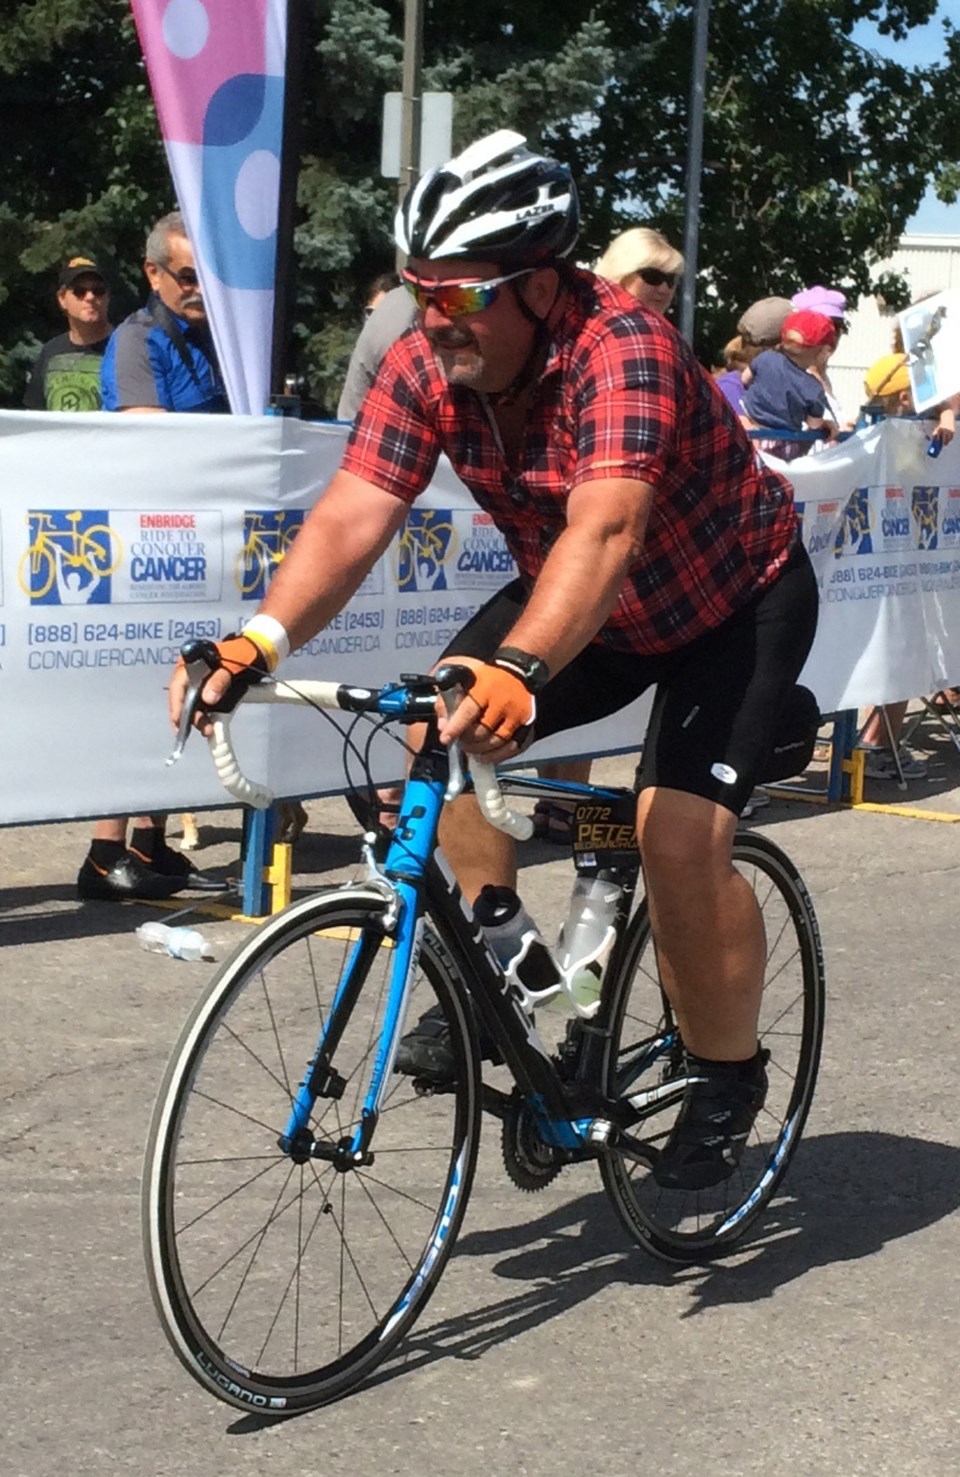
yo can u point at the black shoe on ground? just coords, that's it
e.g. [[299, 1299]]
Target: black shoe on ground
[[166, 862], [127, 877], [426, 1052], [719, 1108]]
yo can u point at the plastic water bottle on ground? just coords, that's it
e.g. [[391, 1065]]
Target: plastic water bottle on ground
[[178, 943], [517, 942], [586, 939]]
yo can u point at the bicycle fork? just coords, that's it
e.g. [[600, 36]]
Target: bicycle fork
[[404, 923]]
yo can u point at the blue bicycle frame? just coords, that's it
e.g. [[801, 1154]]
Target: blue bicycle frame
[[569, 1115]]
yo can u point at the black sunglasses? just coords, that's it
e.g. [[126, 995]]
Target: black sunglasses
[[96, 289], [653, 277], [186, 277]]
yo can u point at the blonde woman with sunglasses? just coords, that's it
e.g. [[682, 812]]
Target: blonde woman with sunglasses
[[643, 262]]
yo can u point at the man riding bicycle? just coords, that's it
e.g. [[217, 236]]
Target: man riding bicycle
[[653, 549]]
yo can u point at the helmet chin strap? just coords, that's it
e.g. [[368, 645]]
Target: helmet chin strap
[[537, 357]]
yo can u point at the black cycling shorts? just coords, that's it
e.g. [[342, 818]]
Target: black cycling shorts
[[718, 699]]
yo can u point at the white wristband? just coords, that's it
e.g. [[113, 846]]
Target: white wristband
[[270, 636]]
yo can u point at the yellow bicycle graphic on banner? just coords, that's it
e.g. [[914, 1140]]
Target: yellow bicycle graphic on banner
[[95, 551], [266, 542], [426, 545]]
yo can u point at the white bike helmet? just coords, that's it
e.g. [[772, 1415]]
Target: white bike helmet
[[495, 202]]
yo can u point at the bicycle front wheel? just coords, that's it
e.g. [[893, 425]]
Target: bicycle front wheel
[[695, 1225], [280, 1284]]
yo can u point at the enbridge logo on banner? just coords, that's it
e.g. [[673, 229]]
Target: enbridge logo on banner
[[426, 544], [267, 535], [70, 559], [483, 561], [925, 512], [854, 536], [950, 518], [123, 557]]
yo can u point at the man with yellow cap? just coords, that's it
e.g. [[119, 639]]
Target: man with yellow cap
[[887, 383]]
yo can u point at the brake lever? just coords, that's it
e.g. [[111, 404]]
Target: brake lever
[[200, 659], [452, 682], [457, 774]]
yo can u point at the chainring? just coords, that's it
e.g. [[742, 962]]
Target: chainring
[[530, 1163]]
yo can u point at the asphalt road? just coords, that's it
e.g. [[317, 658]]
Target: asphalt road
[[827, 1344]]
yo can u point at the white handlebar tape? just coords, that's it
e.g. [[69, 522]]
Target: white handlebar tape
[[228, 770], [494, 807]]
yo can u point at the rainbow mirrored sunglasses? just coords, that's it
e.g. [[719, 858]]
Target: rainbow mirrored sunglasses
[[457, 299]]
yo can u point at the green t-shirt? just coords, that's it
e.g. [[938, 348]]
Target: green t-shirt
[[66, 376]]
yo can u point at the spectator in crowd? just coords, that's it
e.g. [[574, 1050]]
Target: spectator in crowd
[[889, 394], [736, 358], [644, 263], [378, 290], [759, 327], [159, 359], [162, 357], [779, 390], [388, 313], [833, 305], [66, 375]]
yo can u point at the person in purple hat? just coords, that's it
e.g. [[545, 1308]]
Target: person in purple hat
[[831, 303], [826, 300]]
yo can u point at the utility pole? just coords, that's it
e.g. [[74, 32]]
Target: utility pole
[[691, 216], [411, 107]]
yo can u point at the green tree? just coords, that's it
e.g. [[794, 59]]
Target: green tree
[[90, 181], [817, 152]]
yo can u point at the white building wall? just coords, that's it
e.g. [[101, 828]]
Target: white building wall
[[930, 264]]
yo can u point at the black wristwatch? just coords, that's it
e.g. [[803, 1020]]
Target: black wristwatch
[[532, 670]]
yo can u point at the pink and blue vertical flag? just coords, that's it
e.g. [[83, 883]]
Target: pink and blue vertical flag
[[216, 69]]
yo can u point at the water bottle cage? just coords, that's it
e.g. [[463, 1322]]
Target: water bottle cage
[[533, 999], [597, 958]]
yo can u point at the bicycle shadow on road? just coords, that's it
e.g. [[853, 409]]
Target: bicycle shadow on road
[[847, 1196]]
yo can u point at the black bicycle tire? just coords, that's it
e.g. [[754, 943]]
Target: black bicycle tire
[[197, 1350], [686, 1248]]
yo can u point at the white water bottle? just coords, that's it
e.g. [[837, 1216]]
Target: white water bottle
[[518, 944], [586, 939], [178, 943]]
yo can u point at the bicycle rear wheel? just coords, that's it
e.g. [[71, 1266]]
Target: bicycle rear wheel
[[695, 1225], [281, 1285]]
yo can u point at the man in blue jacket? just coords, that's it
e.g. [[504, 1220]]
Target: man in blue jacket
[[162, 357], [159, 359]]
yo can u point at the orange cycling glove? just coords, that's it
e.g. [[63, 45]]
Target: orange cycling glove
[[504, 701], [246, 663]]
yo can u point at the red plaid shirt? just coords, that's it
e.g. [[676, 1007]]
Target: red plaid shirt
[[621, 396]]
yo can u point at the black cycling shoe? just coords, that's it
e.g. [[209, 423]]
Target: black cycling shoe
[[719, 1108], [127, 877], [426, 1052], [166, 862]]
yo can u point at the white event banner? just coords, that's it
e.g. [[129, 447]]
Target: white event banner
[[121, 537]]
